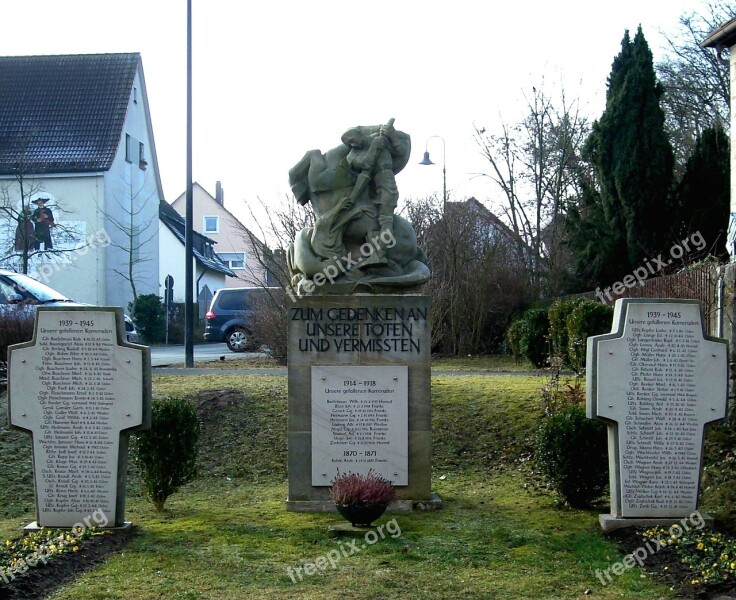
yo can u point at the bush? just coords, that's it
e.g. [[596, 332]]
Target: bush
[[587, 318], [558, 314], [269, 322], [177, 324], [533, 342], [572, 454], [513, 340], [719, 471], [16, 326], [167, 453], [149, 314]]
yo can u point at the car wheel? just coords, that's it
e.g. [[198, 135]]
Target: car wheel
[[238, 340]]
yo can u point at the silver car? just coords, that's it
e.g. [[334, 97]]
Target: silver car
[[22, 290]]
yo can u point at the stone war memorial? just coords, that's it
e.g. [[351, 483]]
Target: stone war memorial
[[79, 389], [358, 327], [657, 380]]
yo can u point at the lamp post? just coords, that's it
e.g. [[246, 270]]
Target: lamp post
[[427, 161]]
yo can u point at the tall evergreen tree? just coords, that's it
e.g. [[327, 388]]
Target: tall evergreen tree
[[633, 216], [703, 195]]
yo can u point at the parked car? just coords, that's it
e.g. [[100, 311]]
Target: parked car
[[229, 317], [22, 290]]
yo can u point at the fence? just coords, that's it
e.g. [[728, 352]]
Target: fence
[[704, 284]]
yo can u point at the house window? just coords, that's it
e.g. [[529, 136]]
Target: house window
[[211, 224], [234, 260], [135, 151], [142, 156]]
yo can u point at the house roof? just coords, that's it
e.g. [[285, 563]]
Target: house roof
[[483, 213], [176, 225], [721, 37], [234, 220], [65, 113]]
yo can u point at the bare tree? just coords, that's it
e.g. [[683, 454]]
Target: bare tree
[[475, 264], [536, 165], [274, 229], [136, 231], [696, 80]]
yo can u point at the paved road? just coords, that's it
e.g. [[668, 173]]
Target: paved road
[[174, 355]]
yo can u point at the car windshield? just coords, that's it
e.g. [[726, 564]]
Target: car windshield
[[38, 290]]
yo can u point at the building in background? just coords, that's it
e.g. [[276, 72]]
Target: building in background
[[238, 248], [210, 273], [76, 131]]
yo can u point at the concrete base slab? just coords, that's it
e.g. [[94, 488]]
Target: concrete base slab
[[34, 526], [610, 523], [339, 529], [433, 503]]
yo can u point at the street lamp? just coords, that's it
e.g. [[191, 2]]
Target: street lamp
[[427, 161]]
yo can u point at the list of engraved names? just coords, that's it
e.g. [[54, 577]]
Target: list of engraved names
[[660, 453], [77, 440], [359, 422]]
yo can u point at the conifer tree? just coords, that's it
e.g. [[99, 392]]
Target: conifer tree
[[703, 195], [633, 216]]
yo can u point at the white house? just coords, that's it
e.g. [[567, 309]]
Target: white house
[[238, 248], [210, 273], [76, 130]]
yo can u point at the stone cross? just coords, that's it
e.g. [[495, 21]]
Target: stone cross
[[79, 389], [656, 380]]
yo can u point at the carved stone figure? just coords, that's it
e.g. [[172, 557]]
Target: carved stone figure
[[357, 242]]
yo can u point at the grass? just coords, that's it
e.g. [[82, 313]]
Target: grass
[[496, 362], [228, 535]]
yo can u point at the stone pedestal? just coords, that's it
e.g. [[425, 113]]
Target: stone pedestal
[[359, 396]]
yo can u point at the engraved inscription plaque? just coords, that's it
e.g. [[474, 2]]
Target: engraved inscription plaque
[[657, 380], [76, 387], [359, 422]]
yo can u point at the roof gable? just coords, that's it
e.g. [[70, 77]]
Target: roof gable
[[63, 113], [202, 196], [176, 225]]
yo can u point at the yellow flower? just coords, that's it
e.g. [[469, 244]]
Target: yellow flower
[[700, 545]]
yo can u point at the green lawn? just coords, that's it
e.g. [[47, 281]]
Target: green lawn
[[228, 535]]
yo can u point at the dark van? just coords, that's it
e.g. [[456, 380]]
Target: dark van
[[229, 316]]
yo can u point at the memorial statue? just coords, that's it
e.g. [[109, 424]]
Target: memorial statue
[[357, 242]]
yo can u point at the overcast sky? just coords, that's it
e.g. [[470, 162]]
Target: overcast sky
[[273, 79]]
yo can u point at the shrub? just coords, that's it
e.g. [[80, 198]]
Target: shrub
[[513, 340], [587, 318], [16, 326], [177, 324], [366, 490], [167, 453], [149, 314], [269, 322], [572, 454], [719, 471], [534, 343], [558, 315]]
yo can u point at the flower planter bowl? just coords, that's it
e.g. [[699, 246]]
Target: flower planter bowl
[[361, 515]]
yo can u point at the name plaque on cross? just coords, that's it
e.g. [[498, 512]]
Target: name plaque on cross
[[656, 380], [80, 389]]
